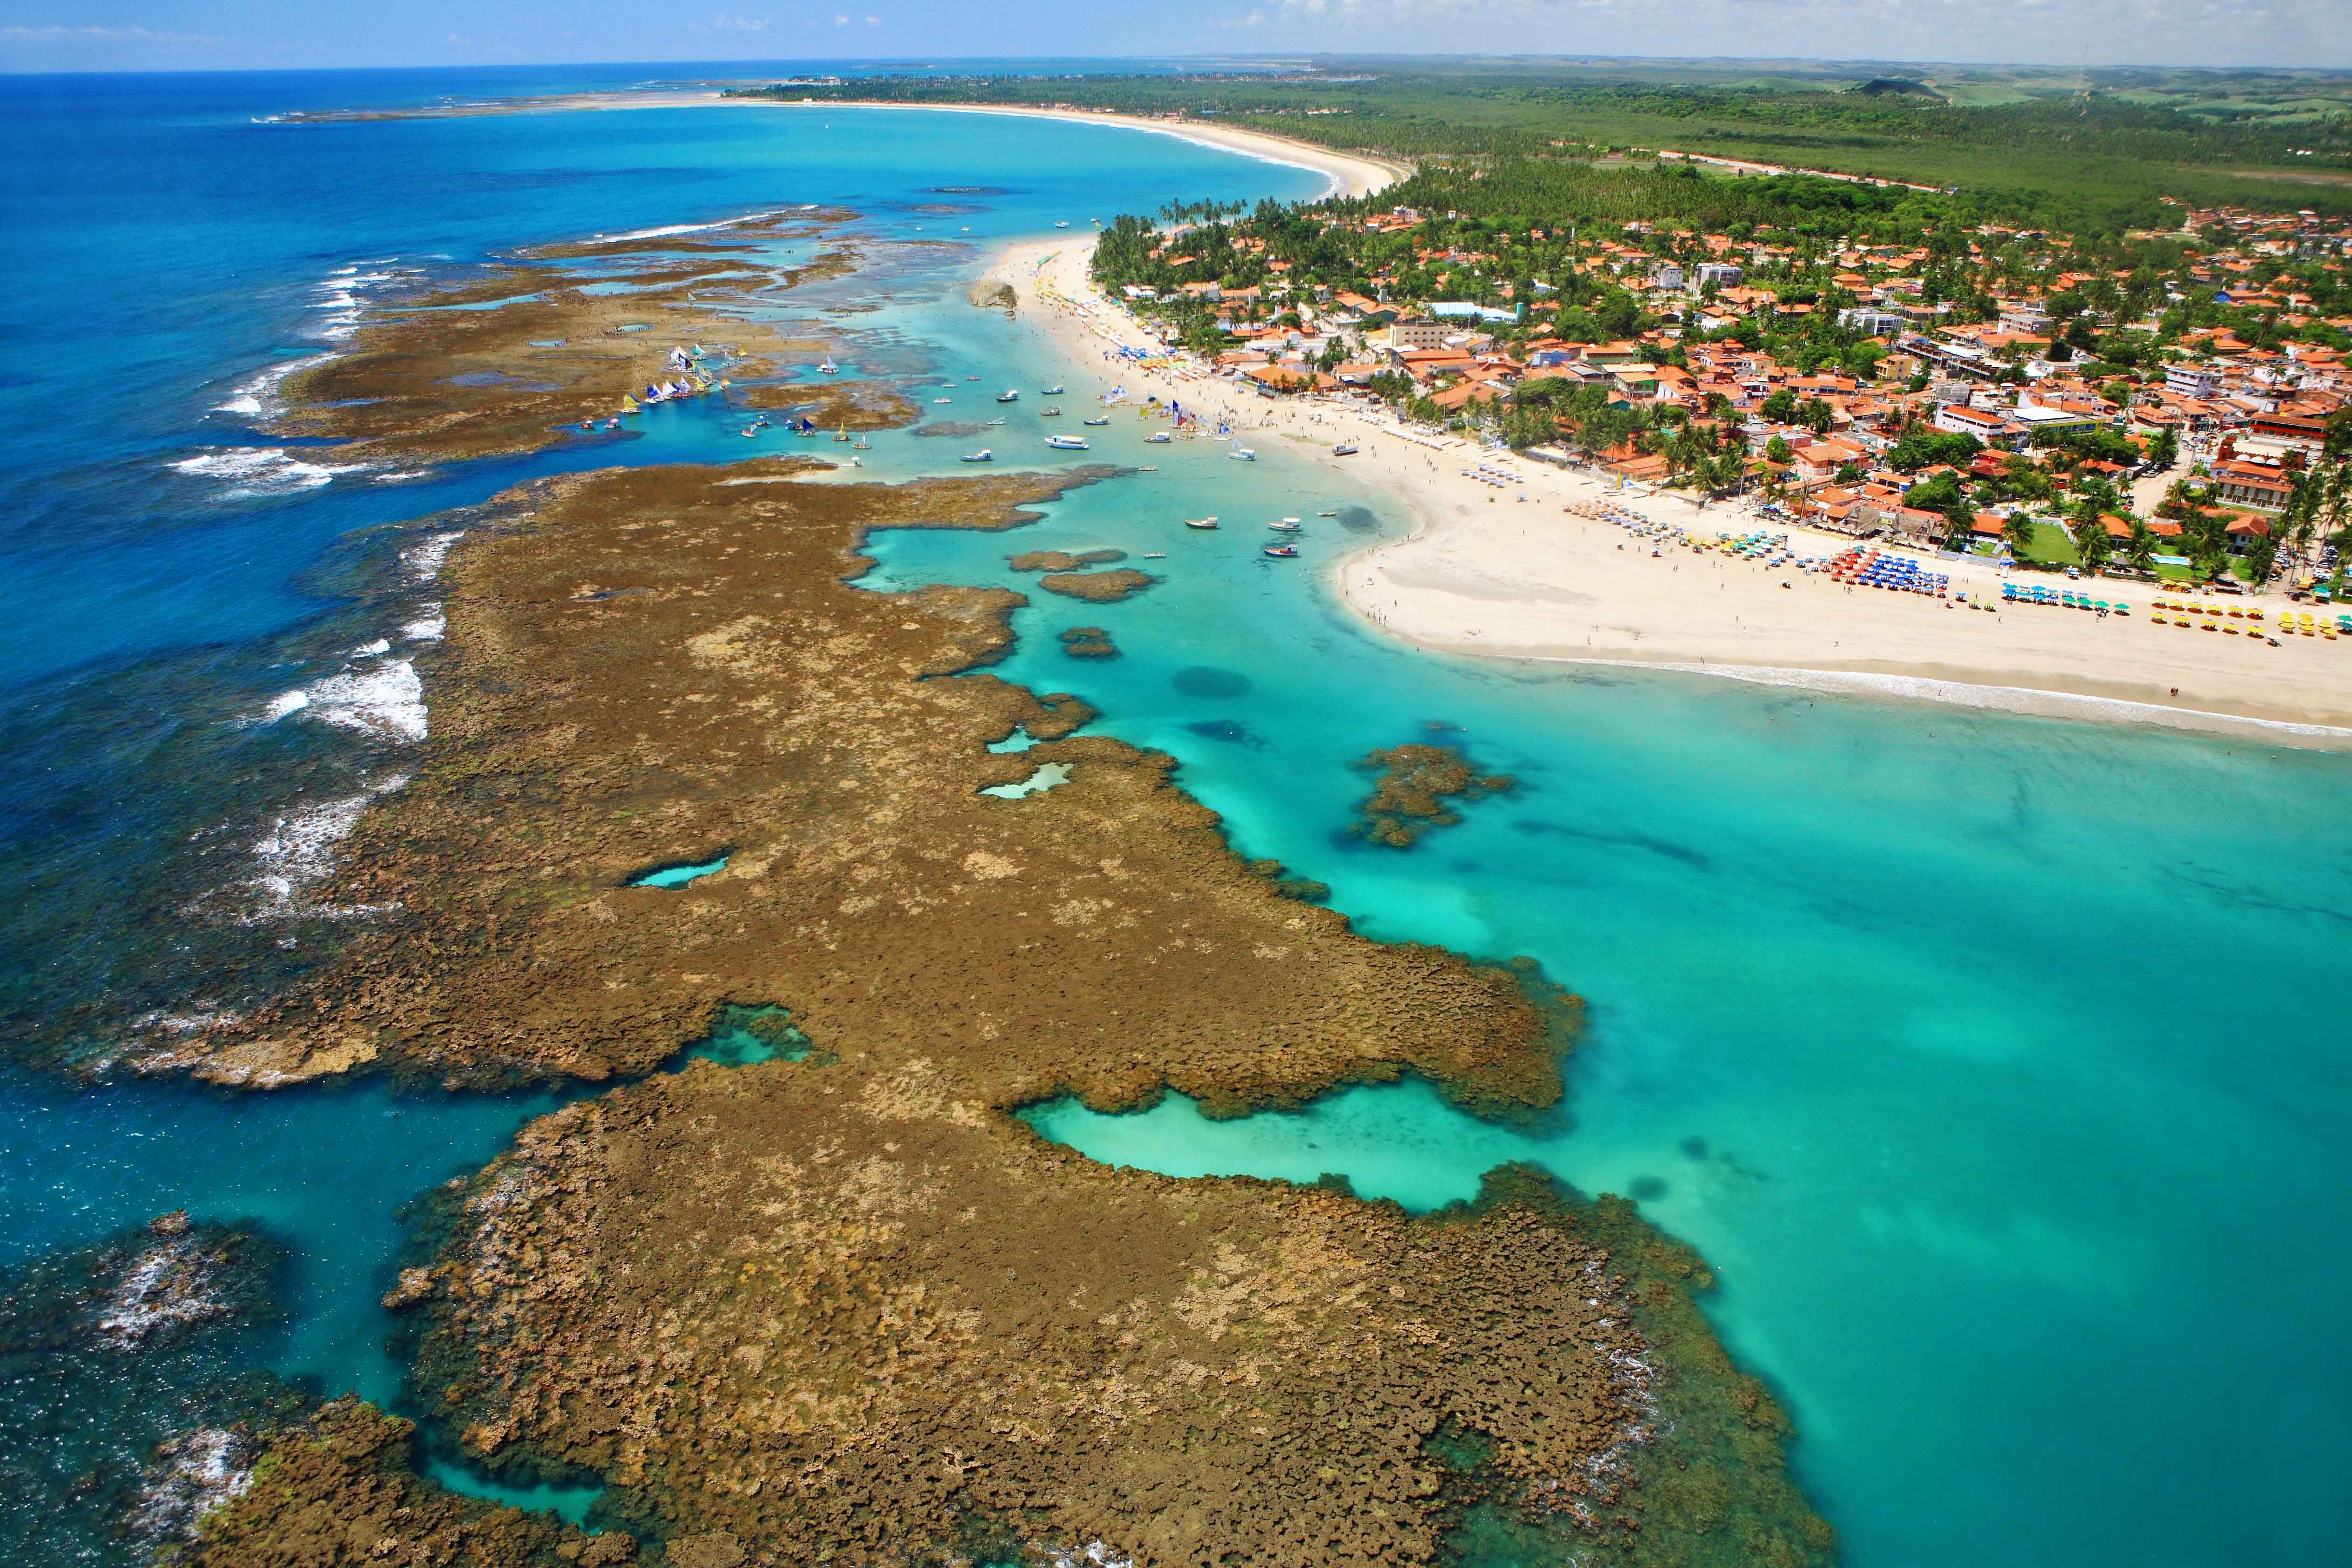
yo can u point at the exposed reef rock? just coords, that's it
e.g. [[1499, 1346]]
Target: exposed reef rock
[[1087, 642], [1062, 559], [892, 1317], [1097, 587], [437, 383], [1415, 784], [850, 1309], [338, 1489], [667, 658], [995, 294]]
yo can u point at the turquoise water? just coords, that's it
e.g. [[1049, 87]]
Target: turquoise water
[[679, 876], [1991, 1062]]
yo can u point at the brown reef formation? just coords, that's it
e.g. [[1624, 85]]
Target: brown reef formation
[[893, 1325], [850, 1309], [1087, 642], [1416, 783], [340, 1488], [435, 382], [1062, 559], [665, 665], [1097, 587]]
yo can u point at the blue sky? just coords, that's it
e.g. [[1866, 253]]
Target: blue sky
[[197, 35]]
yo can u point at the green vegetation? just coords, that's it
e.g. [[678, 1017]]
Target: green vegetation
[[2033, 145]]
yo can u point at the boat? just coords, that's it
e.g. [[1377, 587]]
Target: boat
[[1049, 414], [942, 400], [1158, 439], [1053, 391], [828, 367], [1287, 525], [1063, 223], [1241, 454], [983, 456], [1326, 514], [1344, 449], [1148, 468], [1066, 443], [1099, 420], [861, 445], [1200, 523], [971, 378], [1008, 396], [842, 435], [1280, 552]]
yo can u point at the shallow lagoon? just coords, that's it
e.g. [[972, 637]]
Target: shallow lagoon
[[1987, 1059]]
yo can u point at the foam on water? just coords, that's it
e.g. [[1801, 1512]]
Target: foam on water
[[386, 701], [298, 849], [261, 470]]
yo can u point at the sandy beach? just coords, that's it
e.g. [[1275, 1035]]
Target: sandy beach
[[1509, 570]]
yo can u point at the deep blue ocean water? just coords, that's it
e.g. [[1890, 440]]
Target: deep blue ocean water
[[1995, 1064]]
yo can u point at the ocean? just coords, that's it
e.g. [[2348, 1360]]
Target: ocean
[[1993, 1063]]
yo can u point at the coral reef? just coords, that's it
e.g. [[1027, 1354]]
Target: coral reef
[[1097, 587], [339, 1488], [1087, 642], [1415, 784]]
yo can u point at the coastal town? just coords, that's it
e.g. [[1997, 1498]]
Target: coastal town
[[2166, 405]]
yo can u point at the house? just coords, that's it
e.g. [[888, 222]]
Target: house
[[2199, 381]]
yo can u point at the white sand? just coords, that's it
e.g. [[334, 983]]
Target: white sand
[[1485, 571]]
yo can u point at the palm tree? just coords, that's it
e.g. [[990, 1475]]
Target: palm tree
[[2018, 533], [2139, 550], [2090, 535]]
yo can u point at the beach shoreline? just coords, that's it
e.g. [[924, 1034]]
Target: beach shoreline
[[1350, 174], [1504, 569]]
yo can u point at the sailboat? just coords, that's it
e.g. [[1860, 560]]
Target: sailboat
[[861, 445], [828, 367]]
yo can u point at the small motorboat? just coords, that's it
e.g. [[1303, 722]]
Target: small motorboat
[[1158, 439], [1155, 555], [1066, 443], [1326, 514], [942, 400], [971, 378], [1148, 468], [1280, 552], [1053, 391], [1049, 414], [1008, 396], [1284, 525], [983, 456], [1241, 454], [1200, 523], [1099, 420], [1344, 449]]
